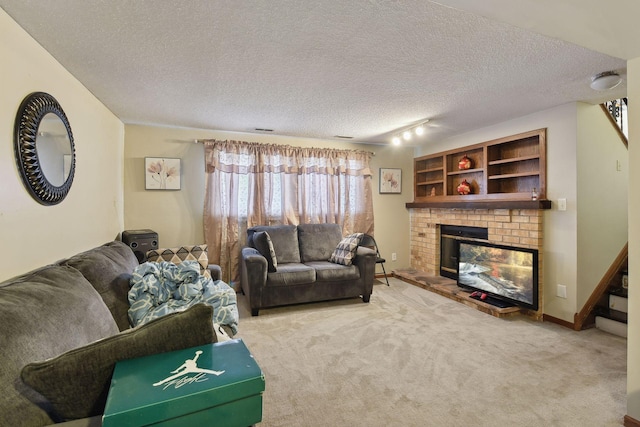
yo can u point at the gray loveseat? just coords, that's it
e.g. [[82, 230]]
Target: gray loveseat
[[51, 318], [303, 272]]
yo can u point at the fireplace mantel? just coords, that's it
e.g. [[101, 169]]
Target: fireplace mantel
[[483, 204]]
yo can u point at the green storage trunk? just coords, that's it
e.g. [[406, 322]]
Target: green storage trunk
[[212, 385]]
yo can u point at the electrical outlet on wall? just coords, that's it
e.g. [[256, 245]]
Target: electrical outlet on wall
[[562, 204], [394, 257], [561, 292]]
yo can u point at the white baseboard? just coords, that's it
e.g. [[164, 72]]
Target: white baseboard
[[611, 326]]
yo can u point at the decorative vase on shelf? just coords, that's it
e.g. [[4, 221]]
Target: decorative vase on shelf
[[465, 163], [464, 188]]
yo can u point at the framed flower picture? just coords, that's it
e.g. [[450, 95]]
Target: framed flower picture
[[390, 180], [161, 173]]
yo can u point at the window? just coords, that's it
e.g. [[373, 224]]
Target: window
[[258, 184]]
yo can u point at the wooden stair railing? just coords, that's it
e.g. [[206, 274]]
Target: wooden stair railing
[[614, 123], [580, 319]]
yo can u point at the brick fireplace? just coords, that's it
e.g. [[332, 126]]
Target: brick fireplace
[[511, 227]]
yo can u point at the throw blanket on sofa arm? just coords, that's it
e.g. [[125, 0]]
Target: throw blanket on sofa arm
[[157, 289]]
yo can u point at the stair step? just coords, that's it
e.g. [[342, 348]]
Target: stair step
[[618, 316], [621, 292], [619, 303], [611, 326]]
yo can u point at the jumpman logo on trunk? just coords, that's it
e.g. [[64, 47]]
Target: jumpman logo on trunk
[[190, 366]]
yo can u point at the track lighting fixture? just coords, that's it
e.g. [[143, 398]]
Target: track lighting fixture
[[407, 134]]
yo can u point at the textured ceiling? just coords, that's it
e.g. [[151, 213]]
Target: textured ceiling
[[362, 68], [609, 27]]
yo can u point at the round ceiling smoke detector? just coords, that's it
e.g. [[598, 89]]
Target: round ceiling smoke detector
[[605, 81]]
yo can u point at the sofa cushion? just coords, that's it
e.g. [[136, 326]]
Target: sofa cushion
[[182, 253], [284, 239], [317, 241], [331, 272], [346, 249], [291, 274], [108, 268], [43, 314], [77, 382], [263, 244]]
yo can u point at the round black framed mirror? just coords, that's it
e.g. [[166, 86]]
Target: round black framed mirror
[[44, 148]]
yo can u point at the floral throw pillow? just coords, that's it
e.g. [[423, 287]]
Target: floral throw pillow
[[346, 249]]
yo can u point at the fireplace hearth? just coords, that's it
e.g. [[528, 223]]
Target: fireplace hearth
[[508, 227]]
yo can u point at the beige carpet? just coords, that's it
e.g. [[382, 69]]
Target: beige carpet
[[414, 358]]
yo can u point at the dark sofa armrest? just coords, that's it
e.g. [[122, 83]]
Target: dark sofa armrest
[[365, 260], [364, 251], [253, 277], [255, 262], [215, 271]]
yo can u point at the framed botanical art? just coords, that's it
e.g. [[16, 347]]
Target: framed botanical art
[[161, 173], [390, 180]]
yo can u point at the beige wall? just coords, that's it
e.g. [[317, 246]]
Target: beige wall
[[602, 197], [559, 227], [177, 215], [33, 234], [633, 340], [581, 242]]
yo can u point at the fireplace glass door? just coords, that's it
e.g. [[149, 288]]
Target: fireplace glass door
[[449, 236]]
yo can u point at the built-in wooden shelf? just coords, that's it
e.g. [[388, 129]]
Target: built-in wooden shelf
[[465, 171], [513, 175], [437, 181], [514, 159], [506, 169], [429, 170]]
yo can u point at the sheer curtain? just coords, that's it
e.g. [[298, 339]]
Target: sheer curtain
[[251, 184]]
